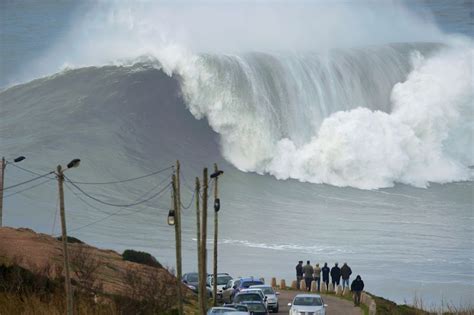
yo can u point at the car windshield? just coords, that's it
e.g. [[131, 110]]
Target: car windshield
[[248, 297], [249, 283], [241, 308], [221, 280], [192, 278], [267, 290], [308, 301], [222, 310], [256, 308]]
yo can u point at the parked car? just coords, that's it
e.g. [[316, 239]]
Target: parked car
[[257, 308], [244, 297], [307, 303], [272, 296], [235, 285], [255, 290], [222, 280], [191, 280], [225, 310], [228, 290], [239, 307]]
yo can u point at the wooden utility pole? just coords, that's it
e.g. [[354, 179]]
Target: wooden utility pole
[[203, 288], [177, 230], [216, 220], [2, 178], [198, 229], [69, 293]]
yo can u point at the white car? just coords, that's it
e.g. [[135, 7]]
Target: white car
[[222, 280], [308, 304], [272, 296]]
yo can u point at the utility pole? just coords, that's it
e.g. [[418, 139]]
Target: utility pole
[[177, 230], [1, 190], [203, 289], [69, 293], [217, 205], [198, 229]]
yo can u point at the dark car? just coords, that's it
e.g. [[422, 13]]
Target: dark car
[[239, 307], [245, 297], [256, 308], [191, 279]]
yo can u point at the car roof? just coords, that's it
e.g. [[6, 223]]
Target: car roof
[[250, 279], [308, 295], [246, 292], [260, 286]]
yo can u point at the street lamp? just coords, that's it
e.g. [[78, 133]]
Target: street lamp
[[60, 176], [171, 217], [2, 179]]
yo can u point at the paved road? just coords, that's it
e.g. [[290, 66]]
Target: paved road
[[336, 306]]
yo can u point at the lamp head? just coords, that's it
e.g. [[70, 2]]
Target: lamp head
[[19, 159], [74, 163], [216, 174], [171, 220]]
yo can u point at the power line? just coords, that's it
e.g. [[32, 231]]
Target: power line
[[28, 188], [112, 214], [120, 181], [106, 212], [190, 202], [109, 203], [28, 181], [24, 169]]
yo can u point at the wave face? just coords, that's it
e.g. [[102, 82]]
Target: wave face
[[365, 118]]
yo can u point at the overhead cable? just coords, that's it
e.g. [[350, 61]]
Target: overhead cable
[[111, 214], [109, 203], [119, 181], [28, 181], [28, 188]]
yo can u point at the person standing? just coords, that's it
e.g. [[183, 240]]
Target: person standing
[[357, 286], [308, 275], [299, 274], [345, 274], [335, 275], [317, 275], [325, 271]]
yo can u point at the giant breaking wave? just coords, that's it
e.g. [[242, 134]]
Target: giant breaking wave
[[365, 118]]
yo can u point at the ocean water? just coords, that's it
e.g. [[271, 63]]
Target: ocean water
[[341, 142]]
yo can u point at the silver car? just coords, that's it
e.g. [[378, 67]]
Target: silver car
[[272, 296], [307, 304]]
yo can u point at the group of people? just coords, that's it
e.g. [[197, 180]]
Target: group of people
[[310, 273]]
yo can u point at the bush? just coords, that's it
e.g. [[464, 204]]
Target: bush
[[70, 239], [141, 258]]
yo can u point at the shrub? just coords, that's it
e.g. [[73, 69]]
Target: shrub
[[70, 239], [141, 258]]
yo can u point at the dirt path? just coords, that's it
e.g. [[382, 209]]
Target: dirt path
[[336, 306]]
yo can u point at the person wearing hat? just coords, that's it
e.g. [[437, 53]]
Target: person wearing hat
[[335, 275], [299, 273], [325, 271], [357, 286]]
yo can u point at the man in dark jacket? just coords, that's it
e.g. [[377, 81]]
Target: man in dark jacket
[[299, 273], [357, 287], [335, 275], [325, 271], [345, 274], [308, 275]]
